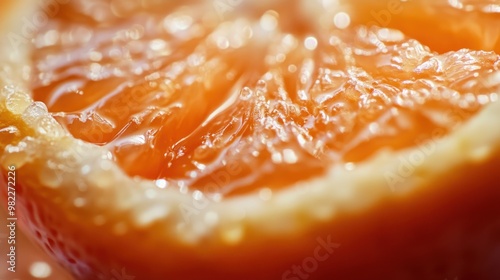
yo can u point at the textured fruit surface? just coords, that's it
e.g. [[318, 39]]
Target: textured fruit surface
[[303, 123], [177, 96]]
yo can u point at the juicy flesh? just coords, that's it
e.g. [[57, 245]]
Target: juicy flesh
[[195, 100]]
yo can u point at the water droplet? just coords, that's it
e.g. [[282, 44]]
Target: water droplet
[[222, 43], [289, 156], [192, 174], [342, 20], [374, 128], [311, 43], [391, 35], [161, 183], [261, 86], [494, 97], [157, 44], [246, 93], [17, 102], [178, 22], [280, 57], [50, 38], [115, 54], [276, 157], [85, 170], [269, 21], [350, 166], [201, 153], [95, 56], [40, 270], [197, 195]]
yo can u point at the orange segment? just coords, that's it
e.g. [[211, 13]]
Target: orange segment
[[175, 99]]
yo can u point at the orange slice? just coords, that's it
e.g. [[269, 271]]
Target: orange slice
[[165, 141]]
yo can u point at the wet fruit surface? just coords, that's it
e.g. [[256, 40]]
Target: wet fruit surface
[[181, 96], [298, 95]]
